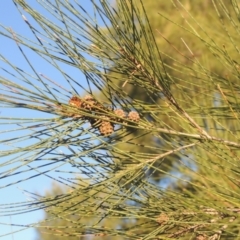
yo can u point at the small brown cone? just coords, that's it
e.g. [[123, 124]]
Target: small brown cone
[[163, 218], [133, 116], [201, 237], [89, 103], [75, 101], [106, 128], [121, 114]]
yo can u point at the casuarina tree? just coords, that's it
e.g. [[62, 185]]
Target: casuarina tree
[[144, 144]]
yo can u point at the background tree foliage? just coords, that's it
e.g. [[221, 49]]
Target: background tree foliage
[[173, 174]]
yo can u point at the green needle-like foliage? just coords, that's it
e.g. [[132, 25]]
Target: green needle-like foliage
[[151, 144]]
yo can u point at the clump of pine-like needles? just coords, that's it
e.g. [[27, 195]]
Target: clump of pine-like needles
[[187, 135]]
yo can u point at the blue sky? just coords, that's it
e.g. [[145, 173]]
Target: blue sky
[[10, 17]]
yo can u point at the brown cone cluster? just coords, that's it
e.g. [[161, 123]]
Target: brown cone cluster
[[104, 125]]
